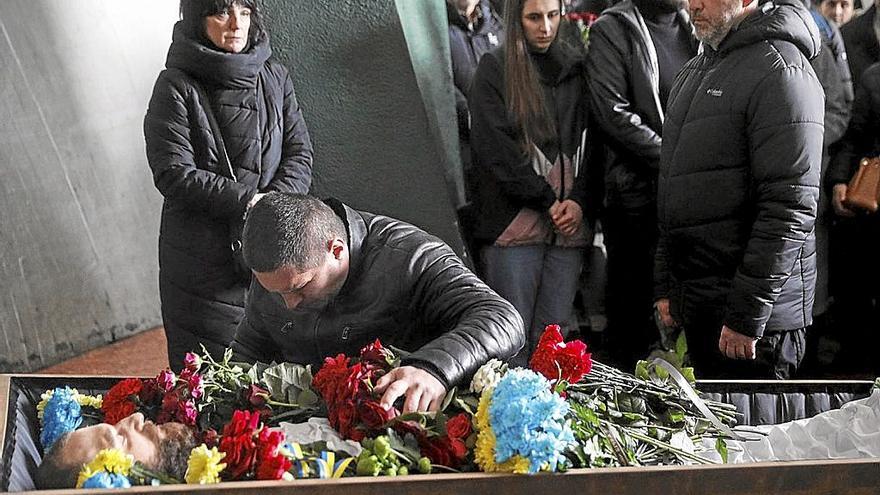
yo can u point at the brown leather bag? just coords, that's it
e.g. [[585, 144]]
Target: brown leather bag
[[863, 191]]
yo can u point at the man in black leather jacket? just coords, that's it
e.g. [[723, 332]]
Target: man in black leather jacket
[[329, 279], [636, 49], [738, 187]]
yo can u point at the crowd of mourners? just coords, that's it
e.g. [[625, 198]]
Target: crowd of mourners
[[644, 168], [562, 194]]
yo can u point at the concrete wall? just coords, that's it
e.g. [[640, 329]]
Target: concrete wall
[[79, 215], [373, 79]]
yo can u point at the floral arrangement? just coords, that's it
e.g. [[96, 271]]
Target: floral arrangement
[[566, 411], [61, 411], [583, 21]]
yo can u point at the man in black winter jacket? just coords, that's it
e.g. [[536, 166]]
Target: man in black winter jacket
[[636, 49], [329, 279], [739, 182]]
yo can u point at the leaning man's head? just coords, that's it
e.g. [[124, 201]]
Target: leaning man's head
[[297, 248], [164, 447]]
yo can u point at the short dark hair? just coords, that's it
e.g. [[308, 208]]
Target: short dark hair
[[285, 229], [53, 472], [193, 13]]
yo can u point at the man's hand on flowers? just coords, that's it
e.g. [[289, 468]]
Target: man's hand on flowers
[[736, 345], [423, 391]]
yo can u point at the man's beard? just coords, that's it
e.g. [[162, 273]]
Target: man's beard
[[174, 453], [713, 34]]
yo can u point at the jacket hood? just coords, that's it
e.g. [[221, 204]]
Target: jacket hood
[[455, 17], [216, 67], [627, 10], [785, 20]]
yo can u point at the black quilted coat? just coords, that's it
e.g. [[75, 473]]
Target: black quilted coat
[[739, 177], [252, 98]]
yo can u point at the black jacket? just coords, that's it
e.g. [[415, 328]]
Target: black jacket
[[504, 178], [862, 48], [268, 145], [625, 99], [862, 138], [405, 287], [739, 177], [467, 46]]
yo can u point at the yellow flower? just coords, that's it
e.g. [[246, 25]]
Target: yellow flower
[[93, 401], [83, 400], [113, 461], [481, 419], [204, 465], [484, 455]]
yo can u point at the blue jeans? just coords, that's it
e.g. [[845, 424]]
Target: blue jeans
[[540, 281]]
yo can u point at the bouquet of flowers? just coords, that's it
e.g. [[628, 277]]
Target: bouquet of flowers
[[566, 411]]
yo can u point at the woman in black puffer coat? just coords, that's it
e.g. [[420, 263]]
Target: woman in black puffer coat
[[218, 60]]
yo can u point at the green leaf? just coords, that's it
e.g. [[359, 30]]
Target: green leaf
[[448, 399], [307, 398], [681, 346], [688, 373], [721, 447], [287, 381], [629, 403], [642, 370]]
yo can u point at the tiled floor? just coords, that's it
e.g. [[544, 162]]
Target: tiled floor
[[144, 354]]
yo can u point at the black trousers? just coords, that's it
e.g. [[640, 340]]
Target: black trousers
[[630, 241], [778, 354]]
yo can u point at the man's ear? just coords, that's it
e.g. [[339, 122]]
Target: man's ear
[[337, 247]]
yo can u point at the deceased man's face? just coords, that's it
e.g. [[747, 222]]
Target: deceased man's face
[[142, 439]]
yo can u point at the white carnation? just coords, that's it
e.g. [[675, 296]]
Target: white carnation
[[488, 375]]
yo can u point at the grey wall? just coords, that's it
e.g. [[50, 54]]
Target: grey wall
[[378, 99], [79, 215]]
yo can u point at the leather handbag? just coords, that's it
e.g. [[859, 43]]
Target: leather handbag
[[863, 191]]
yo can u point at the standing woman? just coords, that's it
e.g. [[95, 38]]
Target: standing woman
[[218, 69], [528, 135]]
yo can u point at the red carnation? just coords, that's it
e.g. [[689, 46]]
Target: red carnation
[[271, 465], [374, 415], [330, 378], [445, 451], [556, 359], [238, 443], [458, 426], [121, 400], [377, 354]]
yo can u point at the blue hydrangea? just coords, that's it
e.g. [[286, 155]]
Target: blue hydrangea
[[103, 479], [529, 419], [62, 414]]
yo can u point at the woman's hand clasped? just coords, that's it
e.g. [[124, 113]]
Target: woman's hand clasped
[[567, 216]]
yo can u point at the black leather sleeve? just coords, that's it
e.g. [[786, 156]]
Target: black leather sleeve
[[479, 324], [608, 90]]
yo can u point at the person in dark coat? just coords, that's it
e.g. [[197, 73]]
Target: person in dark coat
[[636, 49], [219, 61], [475, 28], [529, 117], [862, 47], [855, 269], [738, 187], [329, 279]]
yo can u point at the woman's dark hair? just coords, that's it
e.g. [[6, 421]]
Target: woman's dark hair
[[193, 13], [525, 98]]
